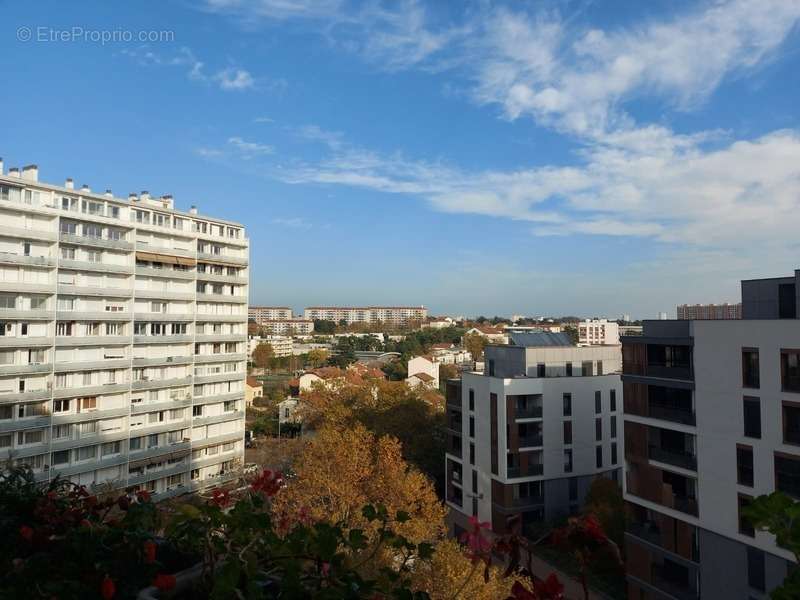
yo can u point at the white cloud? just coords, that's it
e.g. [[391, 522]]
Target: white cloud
[[292, 222], [249, 149], [333, 139], [263, 120], [233, 79], [208, 152]]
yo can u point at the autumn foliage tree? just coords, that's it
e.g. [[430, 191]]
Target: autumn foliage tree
[[341, 470], [475, 343], [262, 355]]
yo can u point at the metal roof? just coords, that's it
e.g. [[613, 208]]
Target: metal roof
[[540, 338]]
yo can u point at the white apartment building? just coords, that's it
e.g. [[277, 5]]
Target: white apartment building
[[598, 332], [288, 326], [712, 419], [268, 313], [395, 315], [281, 345], [529, 435], [122, 338]]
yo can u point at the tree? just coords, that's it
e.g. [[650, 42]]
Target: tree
[[605, 501], [779, 514], [317, 357], [447, 372], [396, 370], [572, 332], [262, 355], [341, 470], [475, 343], [323, 326]]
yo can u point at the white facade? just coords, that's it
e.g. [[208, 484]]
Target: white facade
[[123, 347], [268, 313], [426, 367], [288, 326], [598, 332], [281, 345], [396, 315], [553, 433]]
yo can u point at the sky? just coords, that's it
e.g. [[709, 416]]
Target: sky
[[541, 158]]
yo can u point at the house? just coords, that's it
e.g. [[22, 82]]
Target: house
[[450, 354], [494, 335], [428, 367], [252, 390]]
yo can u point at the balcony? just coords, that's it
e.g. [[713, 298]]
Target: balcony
[[200, 359], [159, 316], [31, 288], [663, 580], [25, 341], [100, 267], [222, 278], [30, 234], [162, 361], [532, 470], [530, 441], [96, 242], [528, 502], [670, 413], [164, 273], [220, 337], [22, 369], [219, 377], [150, 384], [221, 259], [93, 315], [530, 412], [221, 318], [161, 339], [167, 250], [8, 258], [684, 504], [92, 340], [89, 290], [222, 298], [675, 457], [163, 294]]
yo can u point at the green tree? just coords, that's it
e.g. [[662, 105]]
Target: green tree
[[604, 500], [572, 332], [317, 357], [322, 326], [475, 343], [779, 514]]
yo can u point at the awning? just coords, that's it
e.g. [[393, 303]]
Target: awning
[[189, 262], [220, 261], [153, 257]]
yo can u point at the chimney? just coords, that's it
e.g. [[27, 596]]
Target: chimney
[[1, 165], [193, 210], [108, 194], [166, 200], [132, 197], [13, 172], [68, 183], [85, 188], [30, 172], [145, 195]]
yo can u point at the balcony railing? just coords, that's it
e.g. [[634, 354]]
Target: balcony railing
[[532, 470], [530, 441], [672, 587], [531, 412], [685, 504], [527, 501], [678, 458], [670, 413]]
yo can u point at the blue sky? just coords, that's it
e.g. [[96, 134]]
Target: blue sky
[[575, 157]]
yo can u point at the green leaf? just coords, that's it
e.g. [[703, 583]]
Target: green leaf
[[402, 516]]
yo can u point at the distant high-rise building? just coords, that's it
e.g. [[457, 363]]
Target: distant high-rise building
[[710, 311], [711, 422], [626, 318], [259, 314], [662, 316], [124, 331], [598, 332], [394, 315]]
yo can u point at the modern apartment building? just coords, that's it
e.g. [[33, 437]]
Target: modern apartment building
[[712, 419], [281, 345], [288, 326], [394, 315], [268, 313], [529, 435], [710, 311], [122, 338], [598, 332]]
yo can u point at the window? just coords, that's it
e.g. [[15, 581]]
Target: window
[[93, 231], [67, 253], [152, 440], [87, 429], [6, 440], [613, 427], [568, 460], [64, 328], [567, 432], [68, 227], [787, 474], [61, 457], [86, 453], [586, 368], [599, 367], [135, 443], [491, 367], [750, 368], [744, 465], [598, 454], [540, 370], [598, 401], [598, 429], [567, 405], [61, 432], [66, 303], [472, 399], [471, 453], [38, 302], [573, 489], [790, 370], [30, 437], [569, 369], [111, 448], [61, 406], [112, 329], [752, 417], [197, 411], [613, 453], [87, 404], [756, 569], [791, 423], [472, 426], [612, 400]]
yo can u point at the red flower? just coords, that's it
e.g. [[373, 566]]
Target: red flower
[[221, 498], [107, 588], [26, 533], [520, 592], [479, 546], [593, 528], [549, 589], [164, 582], [267, 483], [143, 496], [149, 548]]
